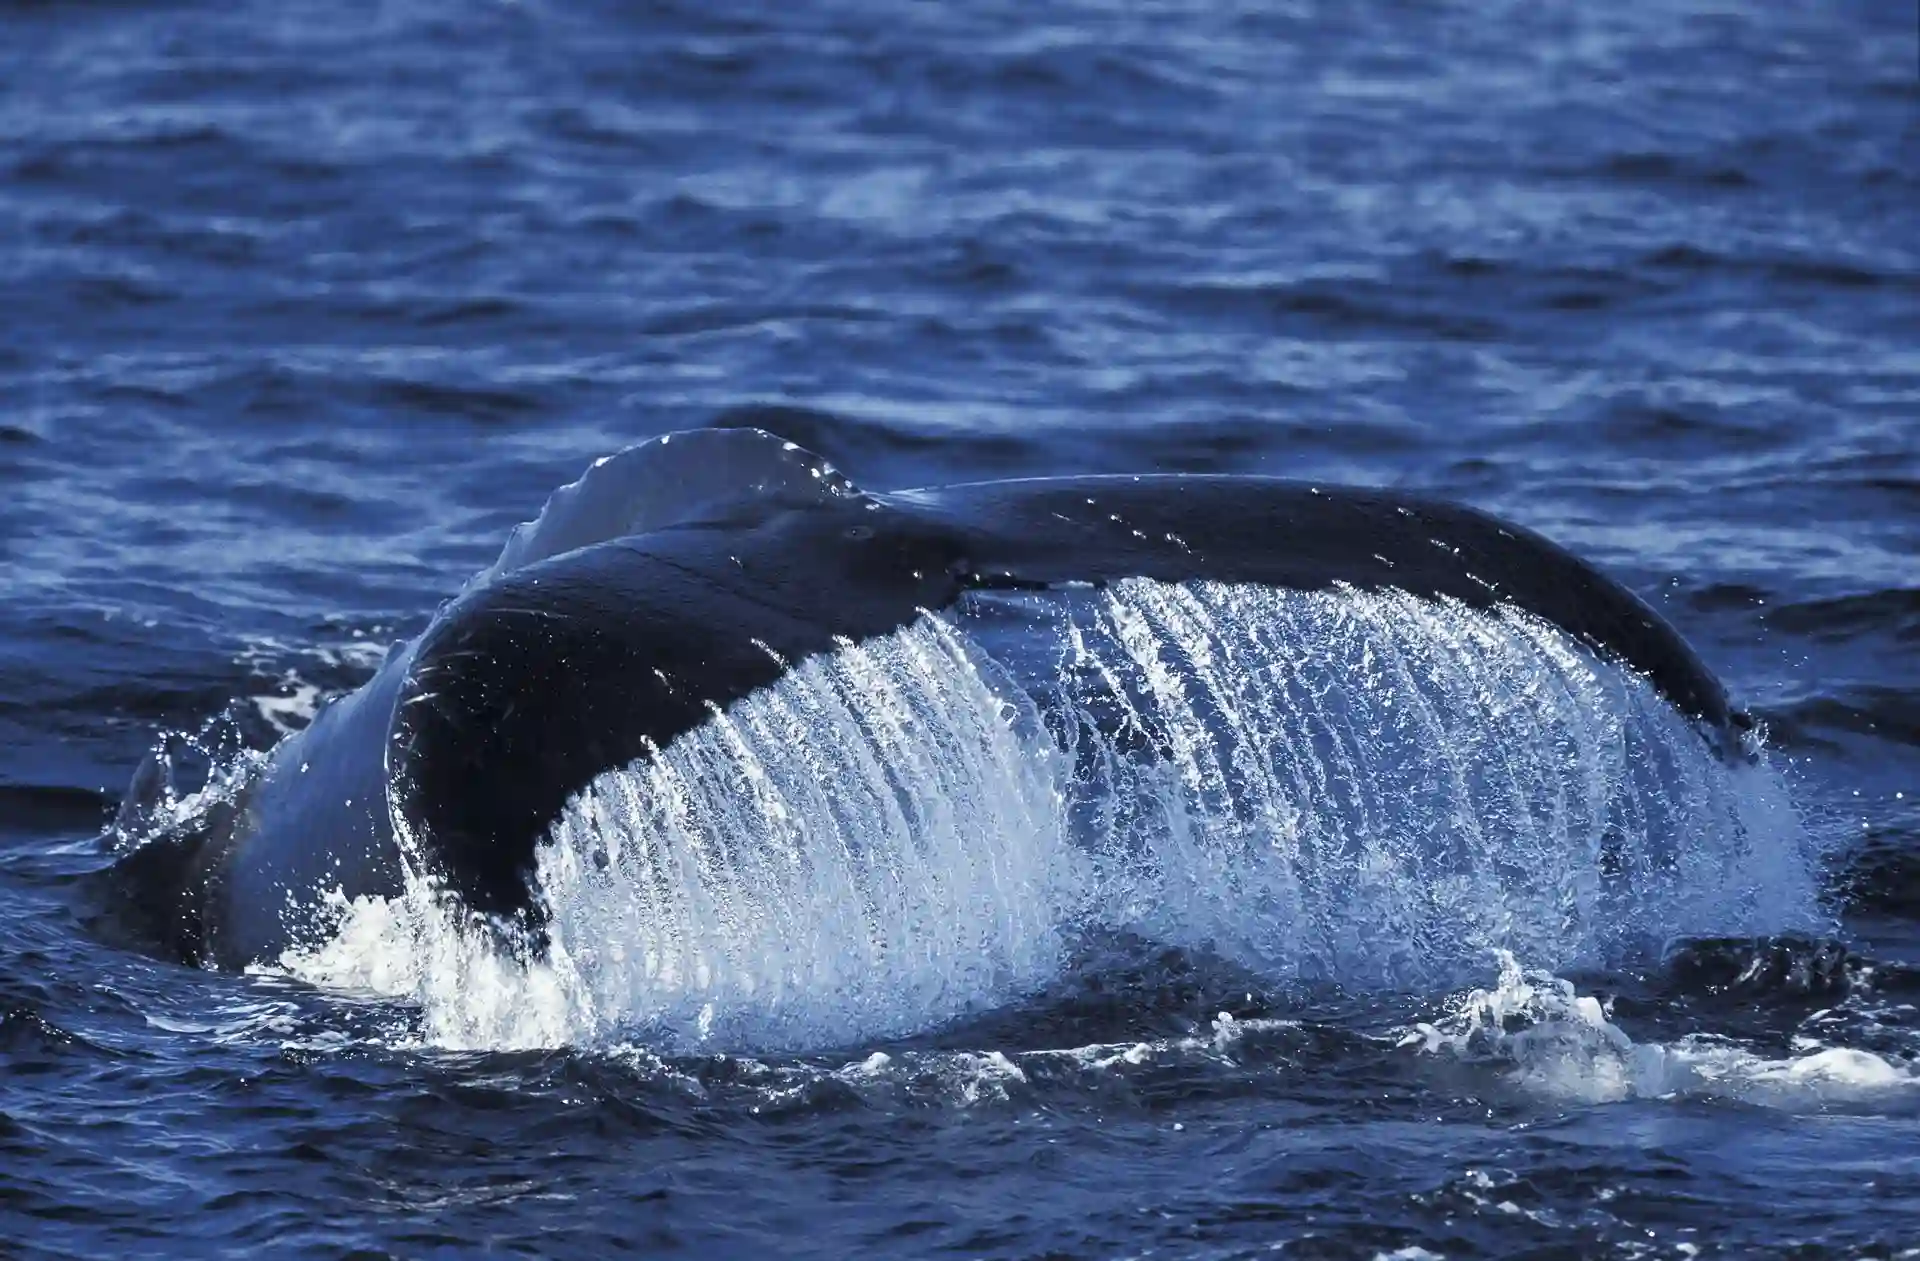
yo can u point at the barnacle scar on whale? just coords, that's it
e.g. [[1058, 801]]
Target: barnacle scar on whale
[[683, 575]]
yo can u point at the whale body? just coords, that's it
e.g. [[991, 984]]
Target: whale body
[[682, 575]]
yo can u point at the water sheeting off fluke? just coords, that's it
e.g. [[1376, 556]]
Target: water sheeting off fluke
[[1363, 788], [1375, 789], [865, 844]]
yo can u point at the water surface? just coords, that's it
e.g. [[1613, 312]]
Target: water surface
[[306, 306]]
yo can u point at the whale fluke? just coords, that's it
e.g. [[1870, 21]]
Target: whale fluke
[[680, 576]]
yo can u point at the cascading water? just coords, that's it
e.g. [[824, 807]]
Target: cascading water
[[864, 846], [1362, 788], [1375, 789]]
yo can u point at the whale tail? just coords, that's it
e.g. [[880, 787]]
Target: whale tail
[[594, 649], [679, 577]]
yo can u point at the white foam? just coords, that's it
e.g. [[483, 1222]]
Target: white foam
[[296, 699], [471, 995], [967, 1078], [1559, 1045], [290, 712]]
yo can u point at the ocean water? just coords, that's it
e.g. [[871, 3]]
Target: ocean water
[[306, 306]]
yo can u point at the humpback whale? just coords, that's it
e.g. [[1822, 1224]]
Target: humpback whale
[[686, 573]]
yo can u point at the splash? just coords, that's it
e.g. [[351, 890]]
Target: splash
[[867, 848], [1362, 788], [1557, 1044], [868, 845]]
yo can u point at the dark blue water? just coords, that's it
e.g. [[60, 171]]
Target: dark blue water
[[305, 306]]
